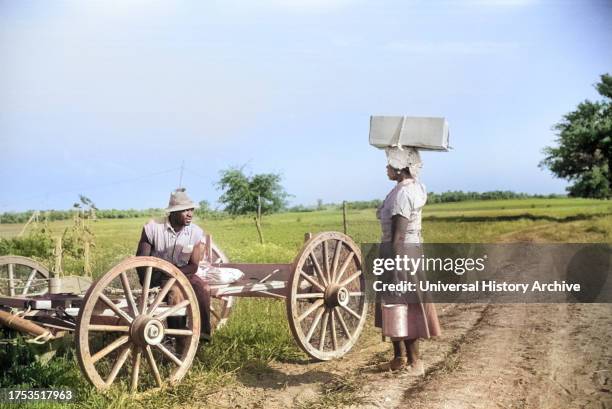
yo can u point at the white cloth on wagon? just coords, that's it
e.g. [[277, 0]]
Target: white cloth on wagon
[[218, 275]]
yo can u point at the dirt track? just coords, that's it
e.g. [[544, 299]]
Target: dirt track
[[489, 356]]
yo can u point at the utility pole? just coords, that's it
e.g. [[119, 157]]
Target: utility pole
[[181, 176]]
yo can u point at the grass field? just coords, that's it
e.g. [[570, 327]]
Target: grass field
[[257, 332]]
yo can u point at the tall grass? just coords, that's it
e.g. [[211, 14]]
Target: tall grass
[[257, 332]]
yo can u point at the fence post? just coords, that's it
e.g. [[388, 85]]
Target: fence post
[[344, 216]]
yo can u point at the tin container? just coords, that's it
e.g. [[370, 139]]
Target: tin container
[[418, 132], [55, 285], [395, 320]]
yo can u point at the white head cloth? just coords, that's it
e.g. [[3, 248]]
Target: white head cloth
[[406, 157]]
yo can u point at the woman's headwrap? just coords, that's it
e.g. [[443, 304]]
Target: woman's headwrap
[[405, 157]]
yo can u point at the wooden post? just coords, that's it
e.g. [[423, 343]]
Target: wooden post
[[57, 268], [87, 262], [344, 216], [258, 220]]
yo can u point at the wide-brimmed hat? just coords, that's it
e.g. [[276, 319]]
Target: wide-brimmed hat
[[179, 201]]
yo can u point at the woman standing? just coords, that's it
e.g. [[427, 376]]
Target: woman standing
[[400, 220]]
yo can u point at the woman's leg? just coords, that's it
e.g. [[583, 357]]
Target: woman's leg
[[412, 350], [398, 350]]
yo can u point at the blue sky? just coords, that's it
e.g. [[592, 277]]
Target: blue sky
[[108, 98]]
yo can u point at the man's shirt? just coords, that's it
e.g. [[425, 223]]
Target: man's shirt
[[170, 245]]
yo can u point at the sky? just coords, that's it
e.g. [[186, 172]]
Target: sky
[[110, 99]]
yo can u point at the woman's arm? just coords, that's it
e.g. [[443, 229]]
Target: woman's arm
[[399, 227]]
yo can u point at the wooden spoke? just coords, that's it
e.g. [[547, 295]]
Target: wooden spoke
[[109, 348], [323, 330], [145, 290], [15, 283], [313, 307], [318, 270], [11, 277], [326, 261], [174, 309], [118, 364], [315, 322], [135, 370], [308, 295], [109, 328], [350, 278], [178, 332], [29, 282], [312, 281], [307, 298], [153, 365], [116, 309], [131, 341], [332, 323], [350, 311], [334, 266], [128, 294], [162, 294], [347, 261], [169, 354], [343, 325]]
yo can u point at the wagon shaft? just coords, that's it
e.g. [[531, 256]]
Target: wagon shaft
[[22, 325]]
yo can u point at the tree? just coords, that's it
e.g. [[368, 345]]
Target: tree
[[241, 193], [584, 151]]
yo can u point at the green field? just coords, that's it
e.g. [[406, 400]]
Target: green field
[[257, 332]]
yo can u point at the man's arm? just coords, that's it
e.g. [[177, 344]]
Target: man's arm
[[144, 245], [194, 260]]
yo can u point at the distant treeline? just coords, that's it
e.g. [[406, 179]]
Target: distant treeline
[[432, 197], [205, 211], [52, 215]]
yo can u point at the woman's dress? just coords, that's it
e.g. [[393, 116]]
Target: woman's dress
[[406, 199]]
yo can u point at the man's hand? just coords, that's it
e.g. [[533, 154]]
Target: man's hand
[[194, 261]]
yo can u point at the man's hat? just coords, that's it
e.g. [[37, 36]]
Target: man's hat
[[179, 201]]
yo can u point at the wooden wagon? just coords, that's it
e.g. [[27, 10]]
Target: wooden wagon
[[122, 320]]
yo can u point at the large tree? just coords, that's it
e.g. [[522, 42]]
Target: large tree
[[242, 194], [583, 153]]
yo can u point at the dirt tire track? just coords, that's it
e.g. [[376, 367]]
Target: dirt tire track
[[527, 356]]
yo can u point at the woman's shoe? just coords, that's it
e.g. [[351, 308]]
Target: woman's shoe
[[416, 369], [398, 363]]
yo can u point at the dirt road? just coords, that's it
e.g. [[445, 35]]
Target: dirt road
[[489, 356]]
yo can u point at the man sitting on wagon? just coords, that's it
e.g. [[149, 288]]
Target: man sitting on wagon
[[177, 240]]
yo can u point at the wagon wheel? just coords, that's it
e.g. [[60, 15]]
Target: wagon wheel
[[22, 276], [220, 308], [134, 327], [326, 299]]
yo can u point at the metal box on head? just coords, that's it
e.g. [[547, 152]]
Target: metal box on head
[[423, 133]]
